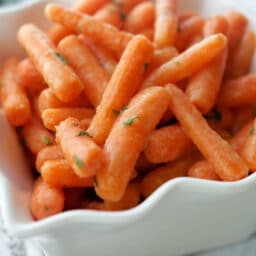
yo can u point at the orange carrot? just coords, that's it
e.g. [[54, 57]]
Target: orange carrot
[[127, 5], [184, 15], [226, 162], [143, 165], [119, 90], [148, 33], [34, 100], [14, 100]]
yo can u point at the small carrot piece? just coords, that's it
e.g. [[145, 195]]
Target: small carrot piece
[[188, 62], [167, 144], [226, 162], [13, 97], [46, 200], [58, 173], [186, 14], [148, 33], [143, 165], [88, 68], [54, 116], [166, 23], [77, 146], [127, 138], [127, 5], [119, 90]]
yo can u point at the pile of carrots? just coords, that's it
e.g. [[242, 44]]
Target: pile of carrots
[[119, 97]]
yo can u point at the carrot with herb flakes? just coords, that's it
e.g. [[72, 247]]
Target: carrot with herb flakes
[[13, 97], [54, 68], [109, 36], [166, 23], [167, 144], [227, 163], [54, 116], [188, 62], [46, 200], [88, 68], [127, 138], [58, 173], [119, 90], [78, 148]]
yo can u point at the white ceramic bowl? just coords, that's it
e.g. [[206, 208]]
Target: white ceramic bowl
[[183, 216]]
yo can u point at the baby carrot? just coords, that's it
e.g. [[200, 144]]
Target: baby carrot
[[226, 162], [58, 173], [54, 116], [167, 144], [127, 5], [50, 63], [127, 138], [88, 68], [148, 33], [77, 146], [119, 90], [14, 100], [46, 200], [188, 62], [186, 14], [166, 23]]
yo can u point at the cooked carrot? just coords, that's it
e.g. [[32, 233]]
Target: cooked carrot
[[13, 97], [75, 198], [203, 170], [238, 92], [166, 23], [46, 200], [34, 100], [127, 138], [127, 5], [62, 80], [58, 173], [109, 36], [119, 90], [54, 116], [224, 134], [140, 18], [188, 62], [36, 136], [82, 154], [143, 165], [130, 199], [29, 77], [57, 32], [148, 33], [162, 174], [184, 15], [216, 24], [167, 144], [88, 68], [52, 152], [226, 162], [188, 30]]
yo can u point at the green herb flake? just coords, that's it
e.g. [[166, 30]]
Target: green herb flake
[[116, 112], [46, 141], [95, 181], [124, 108], [46, 208], [60, 58], [214, 115], [177, 63], [145, 67], [131, 120], [252, 131], [123, 15], [84, 133], [79, 163]]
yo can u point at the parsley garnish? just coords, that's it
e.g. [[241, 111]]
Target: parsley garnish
[[177, 63], [131, 120], [46, 208], [215, 115], [252, 131], [124, 108], [146, 65], [79, 163], [60, 58], [116, 112], [95, 181], [84, 133], [46, 141]]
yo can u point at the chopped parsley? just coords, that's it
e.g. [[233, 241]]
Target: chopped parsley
[[60, 58], [124, 108], [146, 65], [46, 141], [116, 112], [79, 163], [46, 208], [215, 115], [95, 181], [84, 133], [131, 120], [252, 131]]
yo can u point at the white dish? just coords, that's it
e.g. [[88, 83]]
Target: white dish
[[183, 216]]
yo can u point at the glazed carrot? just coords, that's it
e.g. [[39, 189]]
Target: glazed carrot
[[109, 36], [127, 5], [88, 68], [188, 31], [241, 59], [34, 101], [37, 136], [216, 24], [140, 18], [166, 23], [238, 92], [143, 165], [184, 15], [46, 200], [130, 199], [57, 32], [82, 154], [119, 90], [58, 173], [203, 170], [54, 116], [226, 162], [29, 77], [148, 33], [14, 100], [127, 138], [162, 174], [52, 152], [167, 144], [168, 115], [188, 62], [224, 134], [50, 63], [110, 14]]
